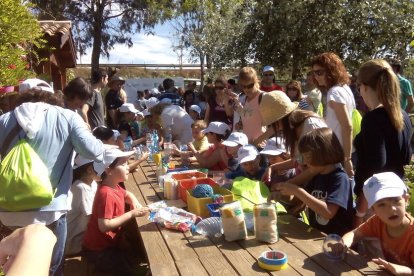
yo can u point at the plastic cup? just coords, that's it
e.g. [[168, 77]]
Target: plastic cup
[[334, 247], [157, 158], [218, 177]]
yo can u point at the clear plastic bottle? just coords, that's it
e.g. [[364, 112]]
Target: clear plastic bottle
[[155, 141], [149, 143], [128, 143], [211, 227]]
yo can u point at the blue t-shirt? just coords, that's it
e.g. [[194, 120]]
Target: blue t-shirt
[[241, 172], [332, 188]]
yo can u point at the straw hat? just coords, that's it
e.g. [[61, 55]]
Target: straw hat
[[116, 78], [274, 106]]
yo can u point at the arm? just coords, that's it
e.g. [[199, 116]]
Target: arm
[[106, 225], [26, 250], [300, 179], [410, 103], [228, 107], [84, 113], [134, 165], [266, 135], [346, 128], [207, 114], [395, 269], [131, 200], [212, 159]]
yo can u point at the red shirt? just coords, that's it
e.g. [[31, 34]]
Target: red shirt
[[108, 203], [271, 88]]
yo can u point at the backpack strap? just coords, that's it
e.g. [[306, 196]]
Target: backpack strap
[[6, 144]]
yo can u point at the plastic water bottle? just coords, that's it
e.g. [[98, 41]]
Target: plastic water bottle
[[211, 227], [138, 152], [155, 141], [149, 143], [128, 143]]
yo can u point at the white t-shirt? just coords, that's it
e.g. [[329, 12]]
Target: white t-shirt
[[81, 195], [343, 95], [181, 123]]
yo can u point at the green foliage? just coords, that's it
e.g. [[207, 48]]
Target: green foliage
[[409, 180], [19, 31]]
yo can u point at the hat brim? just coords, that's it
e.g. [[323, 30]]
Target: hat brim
[[230, 143], [270, 120], [272, 152], [385, 193], [247, 159]]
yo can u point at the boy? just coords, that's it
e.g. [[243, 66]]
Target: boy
[[249, 160], [387, 194], [233, 143], [101, 240]]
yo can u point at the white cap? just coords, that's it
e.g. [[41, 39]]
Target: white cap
[[195, 108], [274, 146], [216, 127], [383, 185], [80, 161], [116, 134], [110, 154], [235, 139], [247, 153], [268, 68], [32, 83], [146, 112], [128, 107], [151, 102], [154, 91]]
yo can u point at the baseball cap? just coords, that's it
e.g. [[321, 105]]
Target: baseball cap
[[80, 161], [383, 185], [268, 68], [128, 107], [109, 156], [195, 108], [151, 102], [216, 127], [235, 139], [247, 153], [274, 146], [32, 83]]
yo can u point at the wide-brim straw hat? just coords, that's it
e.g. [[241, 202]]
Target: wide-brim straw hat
[[116, 78], [274, 106]]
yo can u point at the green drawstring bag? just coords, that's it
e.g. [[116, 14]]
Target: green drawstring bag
[[24, 180], [356, 122]]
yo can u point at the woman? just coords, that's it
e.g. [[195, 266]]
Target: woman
[[282, 116], [332, 79], [219, 106], [294, 92], [383, 144]]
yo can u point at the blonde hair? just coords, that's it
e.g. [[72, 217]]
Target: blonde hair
[[247, 74], [378, 75], [199, 124]]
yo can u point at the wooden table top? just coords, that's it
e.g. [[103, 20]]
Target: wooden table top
[[175, 253]]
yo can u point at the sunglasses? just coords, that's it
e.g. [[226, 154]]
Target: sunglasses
[[248, 86], [219, 87], [319, 72]]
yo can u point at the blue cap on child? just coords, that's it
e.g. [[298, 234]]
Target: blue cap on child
[[383, 185]]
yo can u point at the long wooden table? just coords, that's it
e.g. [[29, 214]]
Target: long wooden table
[[175, 253]]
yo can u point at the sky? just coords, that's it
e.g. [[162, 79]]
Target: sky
[[148, 49]]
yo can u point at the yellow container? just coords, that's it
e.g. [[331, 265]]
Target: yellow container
[[198, 206]]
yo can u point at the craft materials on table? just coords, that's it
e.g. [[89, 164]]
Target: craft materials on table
[[273, 260], [265, 222], [234, 226], [174, 218]]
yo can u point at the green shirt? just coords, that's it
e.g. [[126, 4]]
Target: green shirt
[[406, 90]]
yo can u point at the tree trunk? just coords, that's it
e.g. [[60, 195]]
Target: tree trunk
[[201, 55], [97, 37]]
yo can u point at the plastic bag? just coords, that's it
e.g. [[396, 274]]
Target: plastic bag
[[265, 222], [24, 180], [232, 218], [174, 218]]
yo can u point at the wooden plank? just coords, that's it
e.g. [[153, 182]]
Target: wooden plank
[[295, 230], [191, 267]]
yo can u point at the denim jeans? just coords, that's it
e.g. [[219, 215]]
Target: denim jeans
[[59, 228]]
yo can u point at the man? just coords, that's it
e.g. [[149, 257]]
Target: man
[[170, 92], [407, 100], [93, 111], [140, 101], [114, 100], [268, 80]]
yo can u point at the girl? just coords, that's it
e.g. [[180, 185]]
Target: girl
[[328, 195], [82, 193], [294, 92], [332, 79], [383, 145], [216, 133], [219, 106]]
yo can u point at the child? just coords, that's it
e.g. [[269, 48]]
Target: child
[[101, 240], [108, 136], [194, 111], [211, 159], [82, 193], [149, 124], [249, 159], [328, 195], [387, 195], [199, 144], [232, 144], [275, 152], [128, 126]]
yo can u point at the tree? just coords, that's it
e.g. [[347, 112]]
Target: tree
[[19, 32], [101, 24]]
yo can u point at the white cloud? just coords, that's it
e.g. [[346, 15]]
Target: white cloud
[[148, 49]]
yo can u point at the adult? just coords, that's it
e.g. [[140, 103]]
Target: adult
[[219, 105], [114, 100], [314, 95], [294, 92], [175, 118], [383, 145], [281, 116], [76, 94], [407, 99], [332, 79], [54, 133], [268, 80], [93, 111], [170, 92], [248, 108], [140, 101]]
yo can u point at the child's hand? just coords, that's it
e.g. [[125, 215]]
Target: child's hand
[[140, 212], [144, 155], [285, 188], [393, 268], [267, 176]]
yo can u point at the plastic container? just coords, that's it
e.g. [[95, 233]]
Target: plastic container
[[198, 206], [213, 208], [128, 144], [170, 188], [334, 247], [210, 227], [189, 175], [187, 184]]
